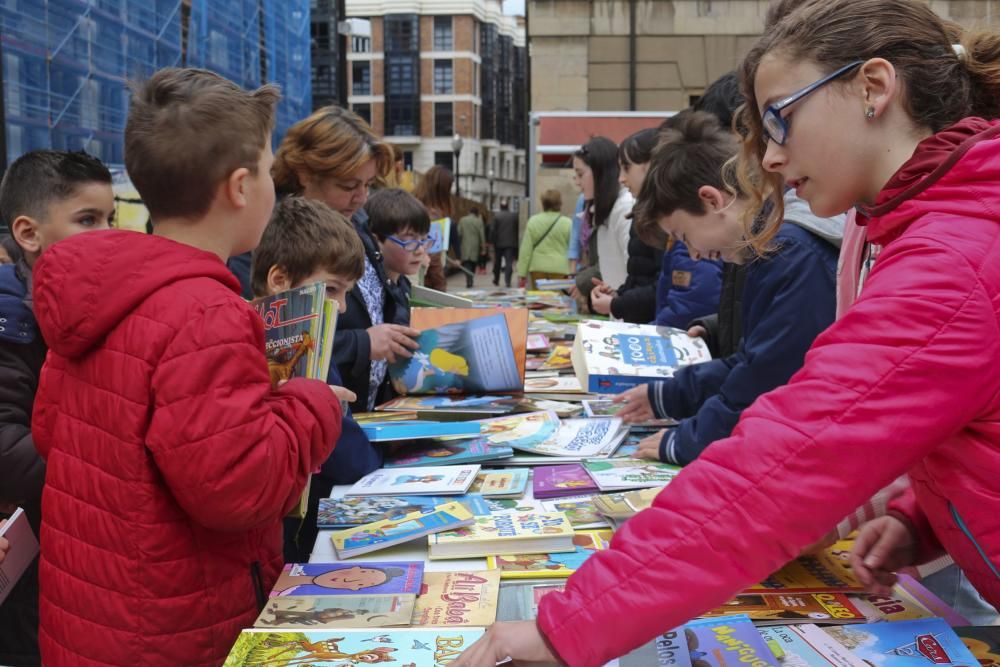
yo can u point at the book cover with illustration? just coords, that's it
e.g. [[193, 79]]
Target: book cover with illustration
[[558, 359], [579, 439], [905, 643], [824, 572], [612, 506], [558, 385], [464, 351], [908, 601], [294, 330], [729, 641], [520, 430], [580, 510], [807, 646], [429, 481], [618, 474], [563, 480], [447, 452], [499, 484], [789, 608], [457, 598], [552, 565], [384, 578], [322, 612], [408, 647], [503, 534], [348, 511], [610, 357], [439, 235], [983, 642], [390, 532]]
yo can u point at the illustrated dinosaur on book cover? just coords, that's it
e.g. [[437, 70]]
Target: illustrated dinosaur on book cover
[[281, 370]]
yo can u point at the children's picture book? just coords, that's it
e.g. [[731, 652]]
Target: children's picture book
[[498, 484], [447, 452], [429, 481], [519, 599], [390, 532], [388, 578], [321, 612], [618, 474], [612, 506], [537, 342], [562, 480], [23, 549], [908, 601], [464, 350], [503, 534], [561, 408], [298, 332], [513, 505], [983, 642], [580, 511], [408, 647], [415, 429], [558, 359], [602, 407], [579, 438], [457, 598], [790, 608], [905, 643], [560, 384], [552, 565], [427, 297], [807, 646], [827, 571], [439, 235], [520, 430], [610, 357], [729, 641], [472, 405], [348, 511]]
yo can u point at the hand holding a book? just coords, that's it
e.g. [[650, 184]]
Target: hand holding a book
[[883, 546], [520, 641], [637, 407], [392, 341]]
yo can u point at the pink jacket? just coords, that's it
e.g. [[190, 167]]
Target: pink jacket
[[905, 381]]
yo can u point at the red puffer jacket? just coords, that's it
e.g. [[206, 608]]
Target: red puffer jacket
[[907, 380], [170, 460]]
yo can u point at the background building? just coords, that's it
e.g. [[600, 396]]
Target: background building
[[430, 69], [67, 63]]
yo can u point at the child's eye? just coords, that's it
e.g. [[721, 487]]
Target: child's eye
[[88, 221]]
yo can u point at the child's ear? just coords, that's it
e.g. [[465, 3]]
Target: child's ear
[[712, 198], [25, 231], [278, 280], [235, 187]]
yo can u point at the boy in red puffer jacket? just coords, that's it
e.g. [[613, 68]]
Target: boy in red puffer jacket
[[170, 460]]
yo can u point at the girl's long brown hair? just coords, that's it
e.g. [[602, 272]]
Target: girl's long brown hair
[[940, 86]]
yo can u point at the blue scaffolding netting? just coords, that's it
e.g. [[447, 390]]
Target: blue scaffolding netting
[[67, 63]]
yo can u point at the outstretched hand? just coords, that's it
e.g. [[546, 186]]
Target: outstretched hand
[[520, 641], [637, 407], [883, 546]]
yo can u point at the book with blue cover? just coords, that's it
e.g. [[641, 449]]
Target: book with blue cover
[[416, 429], [390, 532], [357, 578], [729, 641], [348, 511], [808, 646], [447, 452], [905, 643]]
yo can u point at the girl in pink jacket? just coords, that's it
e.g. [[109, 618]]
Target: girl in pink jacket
[[848, 101]]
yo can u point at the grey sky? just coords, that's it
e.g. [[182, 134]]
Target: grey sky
[[513, 7]]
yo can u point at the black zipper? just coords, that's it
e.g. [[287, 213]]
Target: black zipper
[[258, 585]]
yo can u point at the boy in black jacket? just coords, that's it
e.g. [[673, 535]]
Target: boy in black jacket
[[45, 196]]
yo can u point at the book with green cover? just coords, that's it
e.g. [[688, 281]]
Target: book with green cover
[[619, 474]]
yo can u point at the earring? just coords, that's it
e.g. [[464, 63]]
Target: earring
[[870, 113]]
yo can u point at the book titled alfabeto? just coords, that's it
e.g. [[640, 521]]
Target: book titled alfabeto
[[618, 474], [23, 549], [457, 598], [610, 357], [390, 532], [503, 534], [429, 481], [412, 647], [321, 612]]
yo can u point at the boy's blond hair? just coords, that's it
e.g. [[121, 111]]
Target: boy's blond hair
[[187, 131]]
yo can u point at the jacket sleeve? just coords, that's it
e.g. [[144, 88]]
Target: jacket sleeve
[[854, 418], [636, 305], [905, 507], [22, 470], [213, 404], [682, 395], [789, 301], [695, 292], [710, 323]]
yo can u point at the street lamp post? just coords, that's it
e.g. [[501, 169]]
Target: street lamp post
[[492, 176], [456, 147]]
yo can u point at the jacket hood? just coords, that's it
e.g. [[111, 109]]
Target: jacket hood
[[17, 321], [798, 213], [951, 172], [87, 284]]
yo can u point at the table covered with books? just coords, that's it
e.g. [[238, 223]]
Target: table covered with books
[[505, 470]]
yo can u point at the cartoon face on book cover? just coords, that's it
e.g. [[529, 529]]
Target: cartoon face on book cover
[[920, 643], [349, 578], [406, 647]]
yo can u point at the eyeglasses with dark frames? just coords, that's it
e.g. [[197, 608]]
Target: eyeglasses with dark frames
[[776, 127]]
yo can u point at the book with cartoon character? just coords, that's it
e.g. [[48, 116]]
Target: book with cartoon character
[[580, 510], [983, 641], [348, 511], [729, 641], [408, 647], [790, 608], [321, 612], [501, 483], [563, 480], [457, 598], [807, 646], [824, 572], [618, 474], [464, 351], [504, 534], [447, 452], [551, 565], [382, 578], [908, 601], [429, 481], [390, 532], [610, 357], [905, 643]]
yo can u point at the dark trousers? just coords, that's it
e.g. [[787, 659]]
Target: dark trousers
[[470, 271], [507, 255]]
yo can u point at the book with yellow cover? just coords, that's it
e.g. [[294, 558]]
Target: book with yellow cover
[[824, 572], [390, 532], [789, 608], [553, 565], [457, 598], [503, 534]]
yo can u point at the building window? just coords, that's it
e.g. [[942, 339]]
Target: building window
[[445, 159], [442, 34], [320, 35], [363, 110], [401, 75], [402, 118], [361, 44], [402, 32], [361, 71], [444, 126], [443, 79]]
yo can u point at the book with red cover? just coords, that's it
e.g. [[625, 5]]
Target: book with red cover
[[559, 481]]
